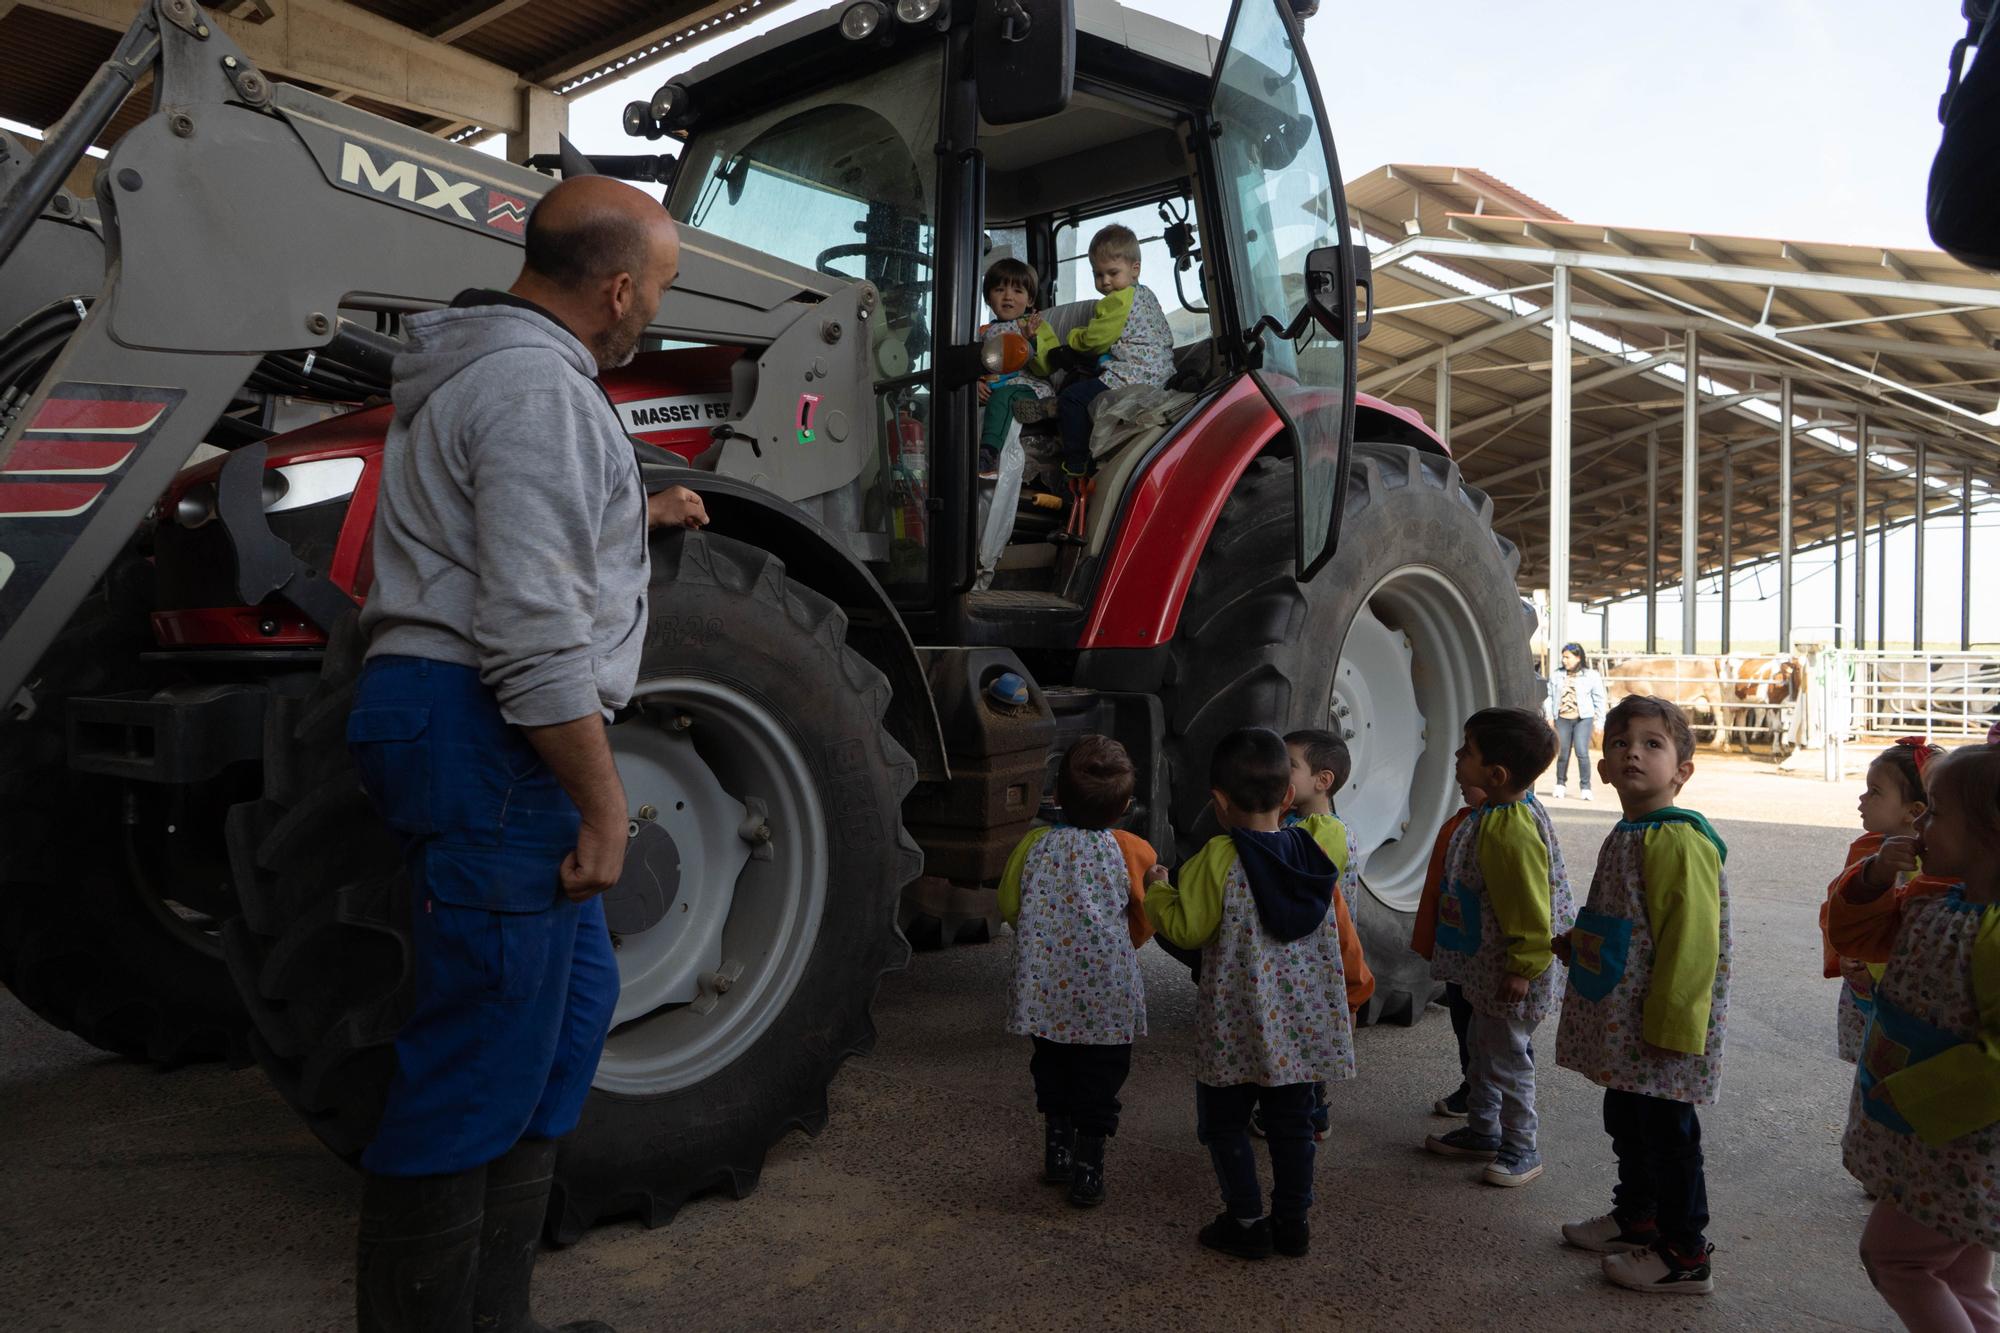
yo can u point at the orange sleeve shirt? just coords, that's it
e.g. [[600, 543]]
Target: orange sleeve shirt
[[1423, 938], [1139, 858]]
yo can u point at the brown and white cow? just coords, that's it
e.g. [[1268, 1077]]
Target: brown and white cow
[[1770, 690]]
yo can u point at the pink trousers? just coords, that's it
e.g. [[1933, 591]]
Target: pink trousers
[[1934, 1284]]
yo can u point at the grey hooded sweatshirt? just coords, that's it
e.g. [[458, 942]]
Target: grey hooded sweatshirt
[[510, 534]]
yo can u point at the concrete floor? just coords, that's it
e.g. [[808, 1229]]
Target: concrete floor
[[192, 1200]]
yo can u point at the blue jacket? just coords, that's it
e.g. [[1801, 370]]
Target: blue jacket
[[1590, 701]]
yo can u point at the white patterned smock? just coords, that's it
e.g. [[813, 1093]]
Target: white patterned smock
[[1953, 1188], [1602, 1034], [1466, 915], [1076, 975], [1270, 1013]]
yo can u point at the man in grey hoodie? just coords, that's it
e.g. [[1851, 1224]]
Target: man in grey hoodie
[[505, 624]]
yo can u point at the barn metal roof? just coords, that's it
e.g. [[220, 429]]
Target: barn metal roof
[[1903, 338], [375, 54]]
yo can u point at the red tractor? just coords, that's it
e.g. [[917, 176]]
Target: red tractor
[[187, 865]]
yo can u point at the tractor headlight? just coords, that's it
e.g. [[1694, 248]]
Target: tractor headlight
[[638, 120], [862, 19], [669, 103], [196, 505], [917, 11]]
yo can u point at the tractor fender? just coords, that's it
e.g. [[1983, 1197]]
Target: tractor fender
[[814, 556], [1172, 507]]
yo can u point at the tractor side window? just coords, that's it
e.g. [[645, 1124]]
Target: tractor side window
[[1179, 291], [844, 181]]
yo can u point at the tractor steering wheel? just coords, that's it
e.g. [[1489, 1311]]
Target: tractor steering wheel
[[824, 263]]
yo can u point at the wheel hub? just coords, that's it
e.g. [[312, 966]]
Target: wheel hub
[[719, 906], [1415, 664]]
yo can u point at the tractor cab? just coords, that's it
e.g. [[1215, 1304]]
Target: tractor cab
[[914, 154]]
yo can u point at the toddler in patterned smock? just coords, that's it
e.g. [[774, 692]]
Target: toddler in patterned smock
[[1505, 896], [1127, 341], [1648, 987], [1272, 1016], [1923, 1125], [1075, 896], [1892, 800]]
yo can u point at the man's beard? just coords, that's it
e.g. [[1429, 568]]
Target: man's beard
[[616, 346]]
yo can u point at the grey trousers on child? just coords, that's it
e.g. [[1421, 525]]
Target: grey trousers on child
[[1500, 1080]]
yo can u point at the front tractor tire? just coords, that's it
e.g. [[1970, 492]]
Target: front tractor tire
[[767, 803], [98, 935], [1411, 627]]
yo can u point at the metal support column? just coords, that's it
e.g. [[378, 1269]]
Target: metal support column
[[1690, 492], [1443, 375], [1559, 479], [1653, 542], [1923, 508], [1728, 537], [1839, 573], [1882, 576], [1859, 625], [1965, 560], [1785, 516]]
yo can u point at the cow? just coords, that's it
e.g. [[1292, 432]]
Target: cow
[[1694, 683], [1769, 692]]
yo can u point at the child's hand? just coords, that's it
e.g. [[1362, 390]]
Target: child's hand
[[1030, 322], [1157, 875], [985, 392], [1512, 989], [1897, 857], [1559, 946], [1854, 972]]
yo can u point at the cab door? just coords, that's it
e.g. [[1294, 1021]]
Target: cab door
[[1292, 272]]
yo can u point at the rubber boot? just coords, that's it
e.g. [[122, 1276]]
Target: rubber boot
[[1086, 1181], [1060, 1141], [517, 1202], [418, 1253]]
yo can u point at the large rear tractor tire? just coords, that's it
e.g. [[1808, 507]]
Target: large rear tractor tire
[[97, 934], [1412, 626], [766, 798]]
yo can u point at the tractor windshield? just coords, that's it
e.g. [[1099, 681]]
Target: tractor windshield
[[843, 180]]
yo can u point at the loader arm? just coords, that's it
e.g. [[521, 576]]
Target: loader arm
[[240, 219]]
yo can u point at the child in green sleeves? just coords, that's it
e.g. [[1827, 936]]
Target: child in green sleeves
[[1272, 1015], [1648, 989], [1504, 896]]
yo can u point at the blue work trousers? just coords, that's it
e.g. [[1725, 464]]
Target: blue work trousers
[[515, 984]]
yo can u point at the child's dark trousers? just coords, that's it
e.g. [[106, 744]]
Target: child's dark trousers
[[1080, 1083], [1222, 1123], [1658, 1143]]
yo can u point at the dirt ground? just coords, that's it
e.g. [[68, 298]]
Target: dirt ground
[[193, 1200]]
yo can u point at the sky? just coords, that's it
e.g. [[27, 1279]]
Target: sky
[[1812, 120]]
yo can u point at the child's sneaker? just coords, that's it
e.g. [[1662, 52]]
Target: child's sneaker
[[1465, 1141], [1452, 1106], [1086, 1180], [1661, 1270], [1513, 1167], [1230, 1236], [1607, 1235], [1291, 1236]]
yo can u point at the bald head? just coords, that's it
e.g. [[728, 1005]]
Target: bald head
[[600, 255]]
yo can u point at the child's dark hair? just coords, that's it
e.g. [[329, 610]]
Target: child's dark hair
[[1252, 768], [1517, 739], [1908, 758], [1325, 753], [1010, 272], [1094, 784], [1972, 774], [1665, 711]]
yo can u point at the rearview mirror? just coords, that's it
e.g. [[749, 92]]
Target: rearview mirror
[[1023, 58], [1329, 283]]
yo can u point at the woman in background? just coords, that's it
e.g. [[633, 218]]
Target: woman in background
[[1575, 702]]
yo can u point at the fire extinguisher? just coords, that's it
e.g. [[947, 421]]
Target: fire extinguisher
[[909, 468]]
